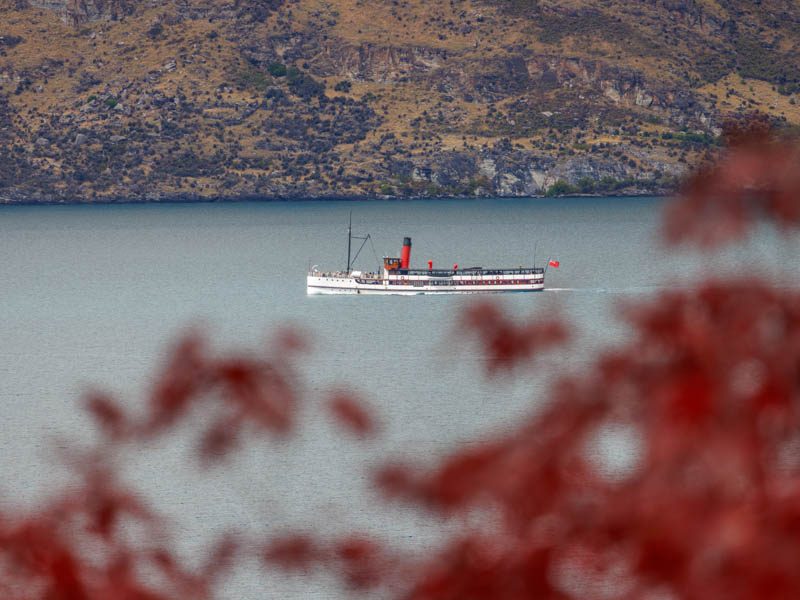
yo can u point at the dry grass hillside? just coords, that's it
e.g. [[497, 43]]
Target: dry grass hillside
[[115, 100]]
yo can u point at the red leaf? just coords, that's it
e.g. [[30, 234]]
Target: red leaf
[[362, 562], [352, 414], [296, 551], [107, 413]]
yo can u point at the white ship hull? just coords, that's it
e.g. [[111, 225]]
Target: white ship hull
[[341, 284]]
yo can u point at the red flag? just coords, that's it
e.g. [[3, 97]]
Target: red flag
[[554, 263]]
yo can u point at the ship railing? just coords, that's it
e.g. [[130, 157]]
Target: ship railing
[[328, 274], [467, 272], [343, 275]]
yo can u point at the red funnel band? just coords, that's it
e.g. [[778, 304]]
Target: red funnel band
[[405, 254]]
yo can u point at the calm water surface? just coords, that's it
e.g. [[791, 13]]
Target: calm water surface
[[93, 296]]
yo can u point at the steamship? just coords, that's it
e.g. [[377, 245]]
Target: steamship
[[399, 278]]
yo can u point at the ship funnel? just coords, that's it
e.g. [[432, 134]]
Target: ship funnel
[[405, 255]]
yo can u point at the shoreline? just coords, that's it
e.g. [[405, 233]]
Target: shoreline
[[180, 199]]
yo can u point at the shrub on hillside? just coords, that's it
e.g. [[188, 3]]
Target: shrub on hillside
[[560, 188], [343, 86], [304, 85], [277, 69]]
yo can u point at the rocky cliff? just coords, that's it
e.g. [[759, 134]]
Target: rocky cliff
[[77, 12], [114, 99]]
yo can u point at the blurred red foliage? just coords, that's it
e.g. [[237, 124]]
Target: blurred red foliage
[[293, 552], [507, 342], [704, 396], [710, 385], [79, 548], [758, 177], [352, 414], [235, 393]]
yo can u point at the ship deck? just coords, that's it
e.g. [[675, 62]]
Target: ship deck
[[471, 271]]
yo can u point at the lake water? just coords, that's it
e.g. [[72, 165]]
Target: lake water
[[93, 295]]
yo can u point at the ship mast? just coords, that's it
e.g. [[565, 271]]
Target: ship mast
[[350, 237], [349, 240]]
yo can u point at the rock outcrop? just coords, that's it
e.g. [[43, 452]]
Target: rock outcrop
[[78, 12]]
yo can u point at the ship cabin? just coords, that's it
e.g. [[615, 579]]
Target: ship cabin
[[393, 270]]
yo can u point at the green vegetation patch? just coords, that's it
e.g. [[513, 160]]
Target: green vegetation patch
[[591, 23], [277, 69], [692, 139], [759, 60], [251, 78], [606, 185], [789, 89], [304, 85], [713, 66], [560, 188]]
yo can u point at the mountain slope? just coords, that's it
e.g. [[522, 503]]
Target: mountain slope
[[111, 99]]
